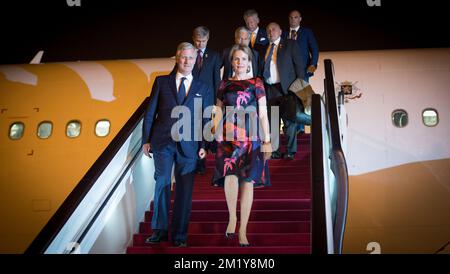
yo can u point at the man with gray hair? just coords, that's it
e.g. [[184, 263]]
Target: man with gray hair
[[258, 36], [241, 37], [206, 69], [207, 64], [179, 90]]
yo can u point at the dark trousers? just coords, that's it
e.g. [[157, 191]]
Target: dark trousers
[[287, 110], [201, 165], [184, 176]]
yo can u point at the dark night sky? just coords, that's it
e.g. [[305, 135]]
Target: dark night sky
[[123, 29]]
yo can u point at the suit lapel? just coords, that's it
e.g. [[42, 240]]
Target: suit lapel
[[227, 63], [191, 92], [197, 71], [254, 64], [173, 87], [280, 51], [260, 35], [205, 58]]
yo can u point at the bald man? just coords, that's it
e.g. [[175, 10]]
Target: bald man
[[282, 66], [241, 37], [309, 50]]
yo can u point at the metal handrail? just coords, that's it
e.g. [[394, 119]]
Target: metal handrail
[[338, 162]]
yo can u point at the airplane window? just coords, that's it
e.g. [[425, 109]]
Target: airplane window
[[430, 117], [102, 128], [73, 129], [45, 130], [16, 130], [400, 118]]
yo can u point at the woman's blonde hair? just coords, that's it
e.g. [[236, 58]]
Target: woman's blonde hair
[[245, 49]]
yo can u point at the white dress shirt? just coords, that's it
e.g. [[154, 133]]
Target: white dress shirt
[[187, 83], [274, 75]]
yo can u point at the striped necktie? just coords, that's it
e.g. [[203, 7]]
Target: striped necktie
[[293, 34]]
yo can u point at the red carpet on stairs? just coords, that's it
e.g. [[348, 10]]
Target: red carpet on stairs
[[279, 222]]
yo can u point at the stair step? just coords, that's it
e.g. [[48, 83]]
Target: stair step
[[275, 162], [301, 183], [280, 220], [252, 227], [273, 177], [298, 156], [258, 204], [257, 191], [260, 195], [278, 186], [262, 239], [221, 250], [256, 215], [287, 168]]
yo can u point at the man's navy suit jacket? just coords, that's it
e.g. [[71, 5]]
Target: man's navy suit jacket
[[209, 73], [261, 42], [309, 50], [158, 122]]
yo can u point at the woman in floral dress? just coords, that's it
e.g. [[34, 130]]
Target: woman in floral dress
[[242, 153]]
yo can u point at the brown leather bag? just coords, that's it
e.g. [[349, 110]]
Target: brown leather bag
[[304, 91]]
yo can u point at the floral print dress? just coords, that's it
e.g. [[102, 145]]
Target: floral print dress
[[238, 149]]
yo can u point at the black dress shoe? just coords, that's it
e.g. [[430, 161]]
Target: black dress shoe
[[157, 236], [276, 155], [179, 244], [244, 245], [289, 156]]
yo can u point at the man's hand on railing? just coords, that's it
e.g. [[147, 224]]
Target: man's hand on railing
[[147, 149]]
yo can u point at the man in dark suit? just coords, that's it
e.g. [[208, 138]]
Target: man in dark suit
[[207, 69], [208, 62], [172, 145], [241, 37], [282, 65], [309, 49], [309, 52], [258, 36]]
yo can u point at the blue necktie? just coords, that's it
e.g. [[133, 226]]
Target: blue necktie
[[181, 91], [266, 72]]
